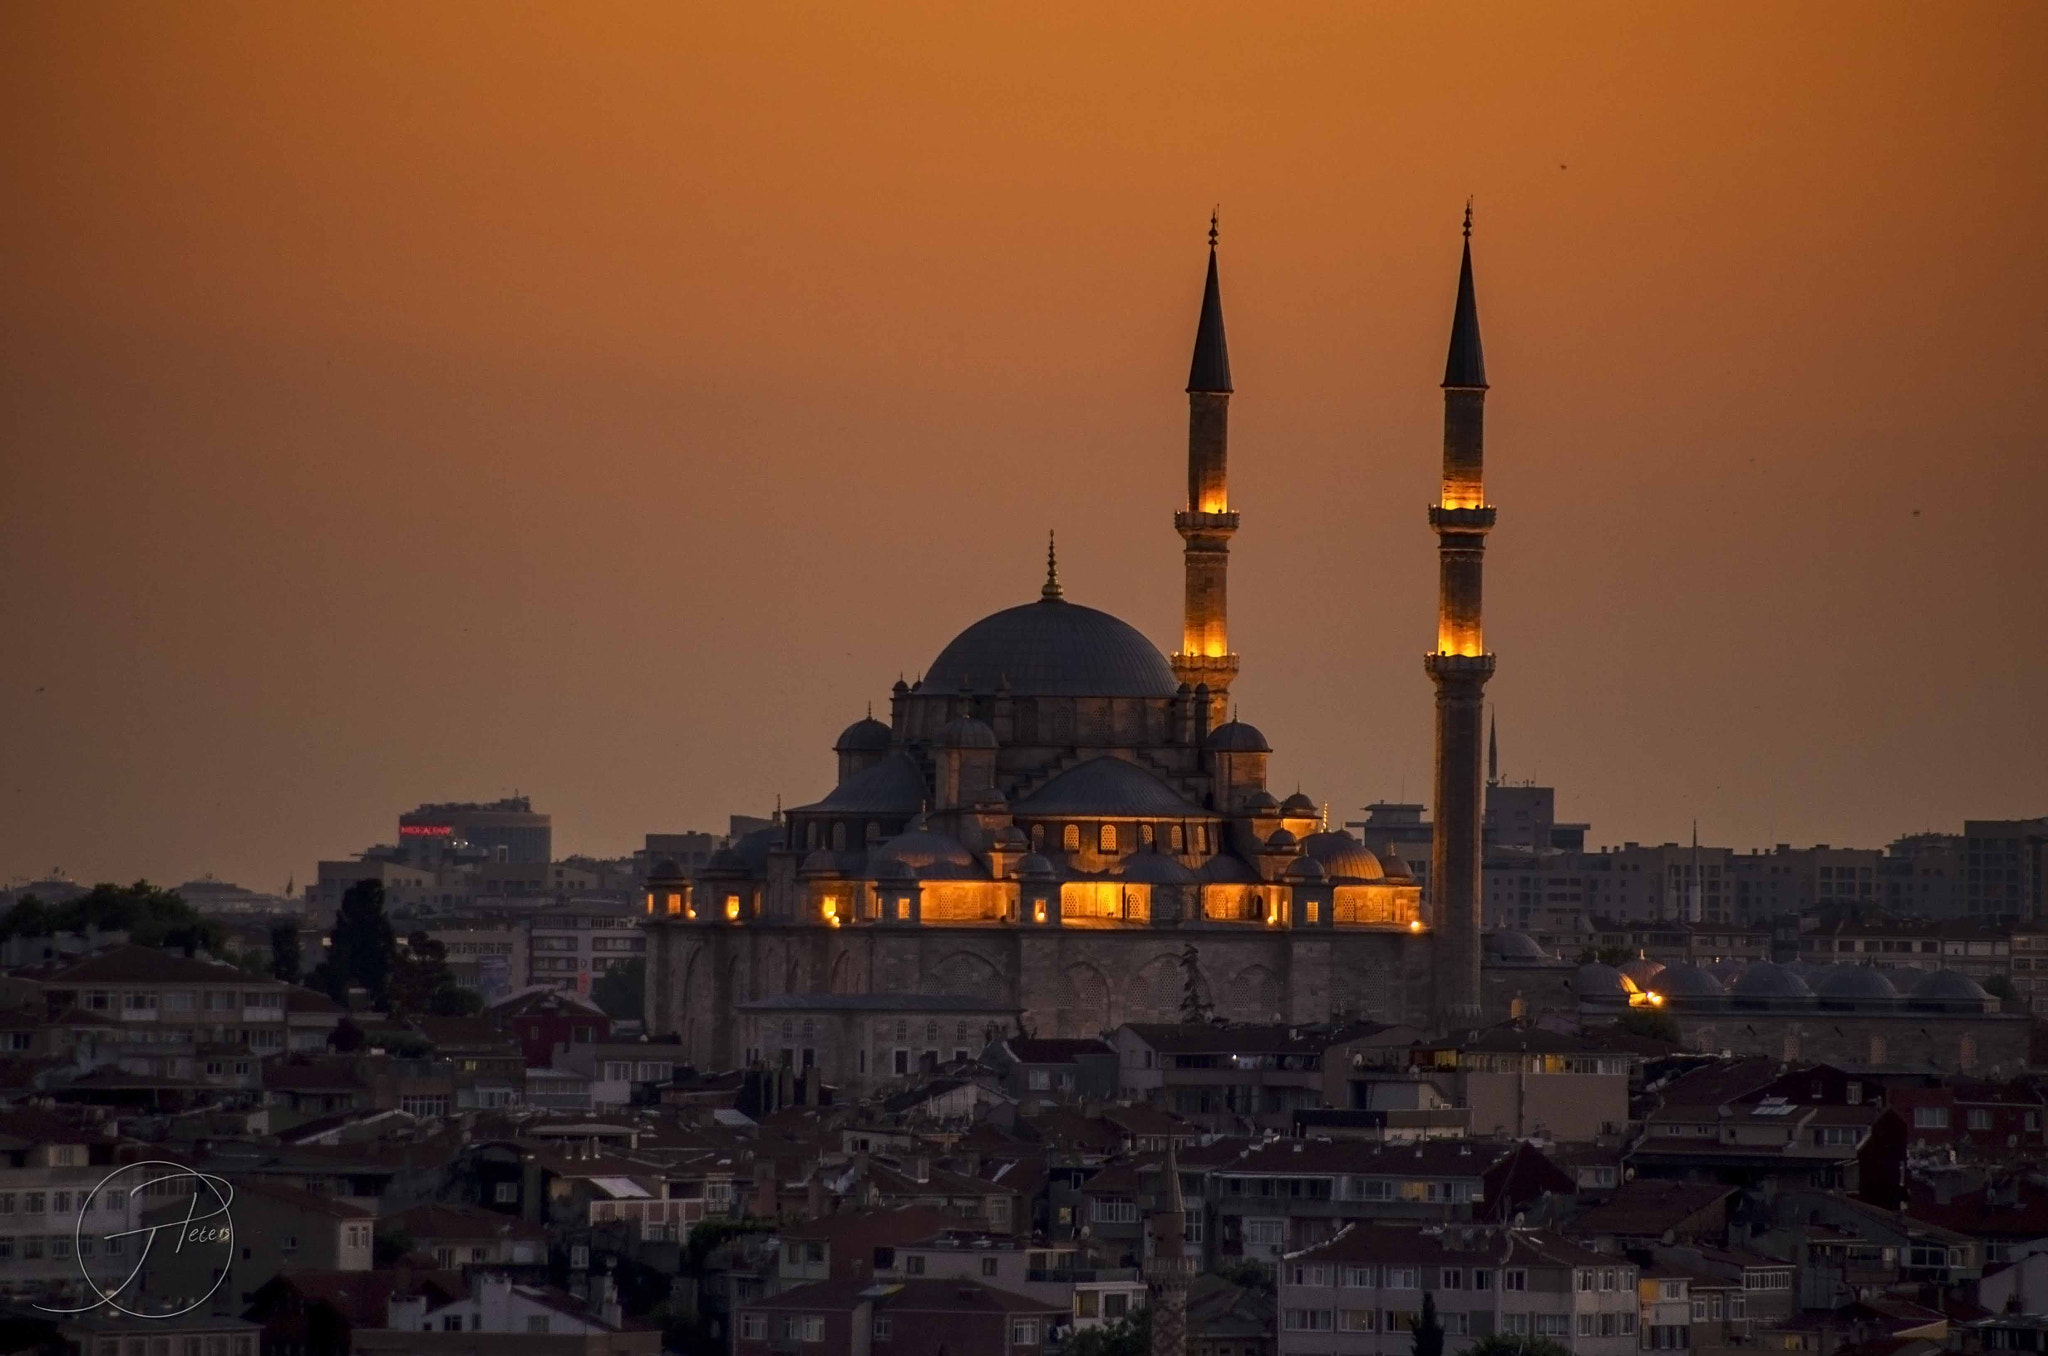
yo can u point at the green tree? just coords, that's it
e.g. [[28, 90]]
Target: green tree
[[252, 963], [1130, 1335], [622, 990], [421, 981], [347, 1037], [1515, 1344], [29, 917], [1605, 955], [1428, 1338], [365, 950], [284, 951], [389, 1245], [1652, 1023], [150, 917], [2001, 988]]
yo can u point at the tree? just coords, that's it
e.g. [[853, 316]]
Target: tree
[[1515, 1344], [388, 1246], [29, 917], [1248, 1273], [365, 949], [1428, 1339], [1999, 987], [421, 981], [1130, 1335], [150, 917], [284, 951], [1606, 955], [1653, 1023], [1193, 1008], [622, 990], [347, 1037]]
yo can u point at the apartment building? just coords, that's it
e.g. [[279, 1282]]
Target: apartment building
[[1249, 1077], [54, 1219], [570, 945], [154, 1010], [1360, 1293], [1518, 1081]]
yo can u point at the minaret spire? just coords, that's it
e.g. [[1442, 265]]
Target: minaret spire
[[1207, 523], [1051, 592], [1460, 664], [1169, 1270], [1493, 750]]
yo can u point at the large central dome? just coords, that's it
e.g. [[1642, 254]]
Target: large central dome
[[1052, 648]]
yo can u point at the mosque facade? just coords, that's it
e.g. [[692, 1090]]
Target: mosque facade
[[1064, 824]]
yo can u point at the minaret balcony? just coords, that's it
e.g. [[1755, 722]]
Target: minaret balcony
[[1478, 519], [1187, 523], [1440, 666]]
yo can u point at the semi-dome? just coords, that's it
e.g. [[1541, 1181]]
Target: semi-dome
[[1298, 806], [967, 733], [1509, 945], [1687, 981], [1396, 866], [1035, 866], [1950, 989], [866, 735], [1342, 856], [1155, 868], [1261, 802], [668, 868], [1641, 971], [1854, 984], [1052, 648], [922, 850], [1307, 868], [725, 860], [1594, 980], [1765, 980], [1235, 736], [820, 863], [1280, 840]]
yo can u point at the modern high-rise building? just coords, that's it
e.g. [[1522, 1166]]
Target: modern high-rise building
[[505, 830]]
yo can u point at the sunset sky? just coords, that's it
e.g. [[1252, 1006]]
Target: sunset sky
[[406, 402]]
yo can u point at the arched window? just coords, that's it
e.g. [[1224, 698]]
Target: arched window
[[1178, 837], [1106, 839], [839, 836], [1070, 838], [811, 834], [1038, 837], [1202, 839], [1144, 835], [874, 833]]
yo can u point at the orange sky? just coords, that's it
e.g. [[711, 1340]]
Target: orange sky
[[409, 402]]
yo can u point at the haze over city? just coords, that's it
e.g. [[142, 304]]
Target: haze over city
[[404, 404]]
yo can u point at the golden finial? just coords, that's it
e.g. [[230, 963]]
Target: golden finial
[[1052, 569]]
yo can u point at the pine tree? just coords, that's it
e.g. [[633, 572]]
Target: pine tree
[[1429, 1330], [284, 952], [365, 949]]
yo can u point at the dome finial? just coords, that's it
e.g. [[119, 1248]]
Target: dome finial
[[1468, 218], [1213, 213], [1051, 590]]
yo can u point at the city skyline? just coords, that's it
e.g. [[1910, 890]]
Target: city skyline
[[470, 443]]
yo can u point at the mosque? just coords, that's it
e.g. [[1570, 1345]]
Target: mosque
[[1060, 825]]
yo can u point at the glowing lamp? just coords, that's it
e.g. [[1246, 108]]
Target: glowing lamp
[[1415, 925], [830, 908], [732, 907], [1273, 915], [1038, 912]]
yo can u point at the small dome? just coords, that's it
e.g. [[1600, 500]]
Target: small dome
[[725, 859], [967, 733], [1687, 981], [1951, 989], [1765, 980], [1727, 971], [1509, 945], [1280, 840], [867, 735], [1234, 736], [1904, 977], [1225, 869], [1261, 802], [1155, 868], [921, 850], [1806, 970], [1594, 980], [890, 869], [1342, 856], [1641, 971], [1307, 869], [1854, 984], [1035, 866], [1298, 806], [1396, 867], [820, 863], [668, 868], [1012, 839]]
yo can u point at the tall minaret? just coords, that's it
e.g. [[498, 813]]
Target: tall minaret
[[1169, 1269], [1207, 523], [1460, 664]]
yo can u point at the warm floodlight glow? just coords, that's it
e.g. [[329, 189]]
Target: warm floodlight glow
[[1415, 925], [1038, 912], [732, 907]]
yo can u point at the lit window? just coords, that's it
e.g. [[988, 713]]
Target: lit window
[[1106, 840], [1070, 838]]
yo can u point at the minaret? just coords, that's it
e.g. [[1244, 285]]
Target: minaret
[[1460, 664], [1206, 525], [1169, 1269]]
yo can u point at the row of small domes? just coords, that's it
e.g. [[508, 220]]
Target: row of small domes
[[869, 735], [1766, 980]]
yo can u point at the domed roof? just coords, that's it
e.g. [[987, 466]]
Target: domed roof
[[1727, 971], [1854, 984], [820, 863], [1224, 869], [1594, 980], [1687, 981], [1261, 802], [1107, 786], [1052, 648], [1034, 865], [1396, 866], [1234, 736], [1765, 980], [1307, 868], [1509, 945], [668, 868], [1280, 840], [895, 785], [725, 860], [1155, 868], [1641, 971], [1951, 988], [1342, 856], [1298, 805], [922, 850], [866, 735], [967, 733]]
